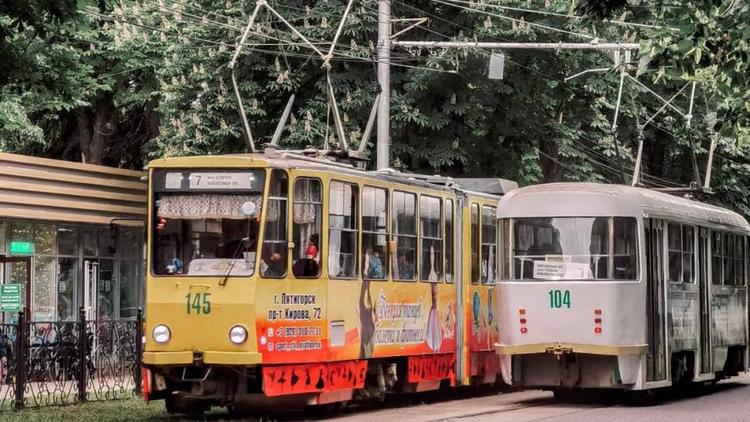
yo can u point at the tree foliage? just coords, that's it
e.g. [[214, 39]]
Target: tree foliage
[[121, 82]]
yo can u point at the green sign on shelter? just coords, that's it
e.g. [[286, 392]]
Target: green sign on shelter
[[11, 297]]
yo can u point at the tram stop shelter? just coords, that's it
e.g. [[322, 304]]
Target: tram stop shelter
[[71, 236]]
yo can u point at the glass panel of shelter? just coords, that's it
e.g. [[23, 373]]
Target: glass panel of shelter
[[58, 285]]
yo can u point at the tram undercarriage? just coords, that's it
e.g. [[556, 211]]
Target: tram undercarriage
[[576, 371], [195, 389]]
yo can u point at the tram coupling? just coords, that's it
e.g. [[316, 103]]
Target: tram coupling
[[558, 350]]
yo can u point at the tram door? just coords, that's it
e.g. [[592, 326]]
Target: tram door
[[705, 300], [656, 333]]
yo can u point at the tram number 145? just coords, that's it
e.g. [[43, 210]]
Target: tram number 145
[[198, 303], [558, 299]]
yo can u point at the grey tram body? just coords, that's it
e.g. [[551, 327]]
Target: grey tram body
[[653, 332]]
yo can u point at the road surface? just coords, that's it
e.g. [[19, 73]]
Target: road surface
[[726, 401]]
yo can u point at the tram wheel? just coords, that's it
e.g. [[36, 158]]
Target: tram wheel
[[178, 405]]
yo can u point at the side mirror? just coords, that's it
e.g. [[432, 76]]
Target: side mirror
[[249, 209]]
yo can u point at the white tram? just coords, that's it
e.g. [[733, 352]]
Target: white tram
[[619, 287]]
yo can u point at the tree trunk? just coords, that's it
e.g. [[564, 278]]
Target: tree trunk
[[83, 132], [103, 128], [152, 119], [548, 148]]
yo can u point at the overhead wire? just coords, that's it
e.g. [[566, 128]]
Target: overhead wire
[[516, 20], [249, 47], [561, 15], [586, 151], [282, 42]]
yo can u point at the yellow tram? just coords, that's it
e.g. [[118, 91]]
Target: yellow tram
[[284, 278]]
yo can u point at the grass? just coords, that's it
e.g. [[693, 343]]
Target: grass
[[114, 410]]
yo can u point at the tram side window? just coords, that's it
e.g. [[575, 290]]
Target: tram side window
[[716, 258], [674, 246], [625, 258], [728, 259], [449, 240], [739, 260], [274, 240], [342, 230], [404, 229], [474, 243], [681, 241], [374, 233], [489, 245], [306, 227], [431, 236]]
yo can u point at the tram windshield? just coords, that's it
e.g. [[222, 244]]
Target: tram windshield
[[573, 248], [206, 222]]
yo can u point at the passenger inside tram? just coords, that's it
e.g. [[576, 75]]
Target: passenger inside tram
[[373, 264], [274, 262], [308, 266]]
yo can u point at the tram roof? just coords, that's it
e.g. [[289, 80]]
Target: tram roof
[[488, 187], [595, 199]]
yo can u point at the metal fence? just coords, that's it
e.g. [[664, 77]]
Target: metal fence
[[53, 363]]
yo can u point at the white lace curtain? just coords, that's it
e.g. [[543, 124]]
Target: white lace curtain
[[206, 206], [304, 209], [306, 202]]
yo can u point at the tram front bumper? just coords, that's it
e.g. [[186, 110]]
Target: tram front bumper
[[208, 357], [565, 348]]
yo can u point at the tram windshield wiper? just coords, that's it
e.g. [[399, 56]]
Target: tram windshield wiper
[[233, 260]]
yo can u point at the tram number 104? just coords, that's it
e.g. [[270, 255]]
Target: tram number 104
[[558, 299]]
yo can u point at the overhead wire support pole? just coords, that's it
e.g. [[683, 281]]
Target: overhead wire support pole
[[233, 66], [384, 80]]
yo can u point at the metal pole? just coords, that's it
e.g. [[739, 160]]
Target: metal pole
[[709, 165], [232, 67], [370, 124], [21, 358], [637, 169], [384, 80], [336, 116], [338, 31], [82, 352], [138, 375], [514, 45], [688, 121], [282, 123]]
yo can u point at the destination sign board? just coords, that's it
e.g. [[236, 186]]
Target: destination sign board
[[222, 180]]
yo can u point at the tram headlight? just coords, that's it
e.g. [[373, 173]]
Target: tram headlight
[[237, 334], [161, 333]]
